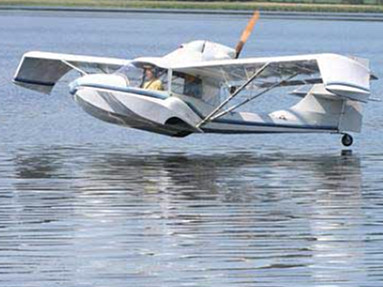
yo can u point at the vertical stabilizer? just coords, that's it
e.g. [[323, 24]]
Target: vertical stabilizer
[[351, 118], [323, 108]]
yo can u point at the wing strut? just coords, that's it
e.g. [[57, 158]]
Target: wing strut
[[74, 67], [252, 98], [234, 94]]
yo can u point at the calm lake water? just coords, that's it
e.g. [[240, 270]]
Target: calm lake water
[[85, 203]]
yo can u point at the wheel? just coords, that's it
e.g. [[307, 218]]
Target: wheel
[[347, 140]]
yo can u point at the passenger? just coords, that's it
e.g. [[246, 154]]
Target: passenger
[[192, 87], [151, 80]]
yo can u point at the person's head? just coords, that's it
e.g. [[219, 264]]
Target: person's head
[[190, 78], [150, 73]]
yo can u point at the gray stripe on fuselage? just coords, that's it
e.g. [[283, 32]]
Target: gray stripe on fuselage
[[273, 125], [119, 108], [125, 116]]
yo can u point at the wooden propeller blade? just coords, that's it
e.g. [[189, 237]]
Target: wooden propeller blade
[[246, 33]]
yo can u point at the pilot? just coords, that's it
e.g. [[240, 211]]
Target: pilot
[[192, 86], [151, 80]]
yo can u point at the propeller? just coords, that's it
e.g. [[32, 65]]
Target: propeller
[[246, 33]]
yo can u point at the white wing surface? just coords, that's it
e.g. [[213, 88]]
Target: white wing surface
[[40, 71], [342, 76]]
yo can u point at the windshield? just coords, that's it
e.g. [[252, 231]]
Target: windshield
[[144, 76]]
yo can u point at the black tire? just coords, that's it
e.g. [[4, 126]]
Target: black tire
[[347, 140]]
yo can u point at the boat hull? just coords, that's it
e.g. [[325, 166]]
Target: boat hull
[[144, 112], [169, 115]]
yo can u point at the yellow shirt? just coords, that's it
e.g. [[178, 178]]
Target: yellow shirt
[[153, 85]]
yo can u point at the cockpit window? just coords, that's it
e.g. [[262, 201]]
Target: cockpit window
[[133, 75], [188, 85], [144, 76], [193, 87]]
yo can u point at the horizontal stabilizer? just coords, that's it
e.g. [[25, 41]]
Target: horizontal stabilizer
[[346, 77]]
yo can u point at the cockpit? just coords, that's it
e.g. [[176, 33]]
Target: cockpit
[[187, 86], [141, 76]]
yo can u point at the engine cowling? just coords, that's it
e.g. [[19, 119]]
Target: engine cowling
[[201, 50]]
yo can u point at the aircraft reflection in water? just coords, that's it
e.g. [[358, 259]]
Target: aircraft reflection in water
[[337, 224], [197, 209]]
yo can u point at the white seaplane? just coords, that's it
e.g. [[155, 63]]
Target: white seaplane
[[202, 86]]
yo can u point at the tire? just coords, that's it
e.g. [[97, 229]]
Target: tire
[[347, 140]]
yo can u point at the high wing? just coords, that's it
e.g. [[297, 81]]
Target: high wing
[[343, 76], [40, 71]]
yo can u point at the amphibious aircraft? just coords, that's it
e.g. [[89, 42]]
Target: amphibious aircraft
[[202, 87]]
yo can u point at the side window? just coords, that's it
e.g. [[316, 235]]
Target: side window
[[188, 85], [193, 87], [178, 84]]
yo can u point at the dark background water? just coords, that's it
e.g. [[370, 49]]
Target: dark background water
[[85, 203]]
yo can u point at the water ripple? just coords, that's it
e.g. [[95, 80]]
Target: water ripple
[[88, 218]]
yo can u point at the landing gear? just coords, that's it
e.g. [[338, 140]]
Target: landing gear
[[347, 140]]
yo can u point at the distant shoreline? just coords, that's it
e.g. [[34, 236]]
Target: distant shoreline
[[194, 6], [296, 15]]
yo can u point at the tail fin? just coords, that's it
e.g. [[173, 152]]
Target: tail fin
[[323, 108], [350, 119]]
